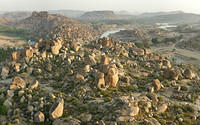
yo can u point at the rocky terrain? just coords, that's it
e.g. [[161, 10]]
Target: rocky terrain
[[96, 83], [135, 35], [193, 43], [49, 26], [70, 77]]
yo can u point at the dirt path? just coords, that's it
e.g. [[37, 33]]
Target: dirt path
[[6, 41]]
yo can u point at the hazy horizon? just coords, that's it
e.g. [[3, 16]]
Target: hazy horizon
[[139, 6]]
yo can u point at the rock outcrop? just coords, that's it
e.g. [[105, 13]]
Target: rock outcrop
[[50, 26], [17, 83]]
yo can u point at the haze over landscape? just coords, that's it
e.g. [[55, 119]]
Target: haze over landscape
[[191, 6], [99, 62]]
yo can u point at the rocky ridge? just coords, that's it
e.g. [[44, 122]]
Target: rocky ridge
[[50, 26]]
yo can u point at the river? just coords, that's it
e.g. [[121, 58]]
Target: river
[[107, 33]]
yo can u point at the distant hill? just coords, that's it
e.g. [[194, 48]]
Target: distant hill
[[9, 17], [123, 12], [99, 15], [154, 14], [68, 13], [178, 18], [49, 26]]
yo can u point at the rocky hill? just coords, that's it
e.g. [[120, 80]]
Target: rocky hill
[[99, 15], [100, 82], [50, 26]]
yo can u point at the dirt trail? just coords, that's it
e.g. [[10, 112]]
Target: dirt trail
[[6, 41]]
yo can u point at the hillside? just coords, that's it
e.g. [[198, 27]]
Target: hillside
[[49, 26], [99, 15]]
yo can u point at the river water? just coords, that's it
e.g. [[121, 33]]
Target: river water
[[107, 33], [165, 25]]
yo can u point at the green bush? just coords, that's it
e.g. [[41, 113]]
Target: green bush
[[5, 53], [3, 109], [155, 40], [184, 88]]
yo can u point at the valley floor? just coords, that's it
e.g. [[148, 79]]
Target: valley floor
[[6, 41]]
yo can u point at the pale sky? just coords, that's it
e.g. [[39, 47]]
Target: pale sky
[[89, 5]]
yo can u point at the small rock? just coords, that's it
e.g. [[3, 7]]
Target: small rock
[[56, 47], [56, 110], [132, 111], [39, 117], [4, 72], [162, 108], [111, 76], [166, 64], [29, 96], [21, 92], [75, 46], [171, 74], [100, 81], [7, 103], [29, 53], [157, 84], [30, 108], [105, 60], [10, 93], [90, 60], [79, 78], [124, 118], [87, 68], [17, 67], [86, 117], [34, 85], [44, 55], [15, 55], [188, 74], [180, 120], [22, 99]]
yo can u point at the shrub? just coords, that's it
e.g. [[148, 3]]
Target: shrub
[[3, 110], [5, 53], [184, 88]]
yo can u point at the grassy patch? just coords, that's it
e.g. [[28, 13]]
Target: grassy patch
[[13, 32]]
